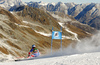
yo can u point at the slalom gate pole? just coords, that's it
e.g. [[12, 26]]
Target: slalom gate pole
[[51, 42], [61, 39]]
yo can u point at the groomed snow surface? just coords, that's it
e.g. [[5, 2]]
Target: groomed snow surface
[[77, 59]]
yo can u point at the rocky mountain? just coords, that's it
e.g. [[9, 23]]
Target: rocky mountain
[[60, 6], [90, 15], [85, 13], [11, 4], [19, 30]]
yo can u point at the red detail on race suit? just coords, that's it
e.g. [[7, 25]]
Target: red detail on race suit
[[32, 56], [29, 53]]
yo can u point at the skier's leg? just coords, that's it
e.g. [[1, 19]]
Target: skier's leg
[[34, 55], [31, 56], [37, 54]]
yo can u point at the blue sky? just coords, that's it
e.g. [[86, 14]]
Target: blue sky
[[65, 1]]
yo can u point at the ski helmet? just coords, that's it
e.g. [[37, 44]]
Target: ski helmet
[[33, 46]]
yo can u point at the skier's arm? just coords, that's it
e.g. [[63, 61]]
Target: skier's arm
[[30, 52]]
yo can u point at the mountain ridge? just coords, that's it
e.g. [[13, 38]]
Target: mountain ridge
[[89, 10], [9, 4]]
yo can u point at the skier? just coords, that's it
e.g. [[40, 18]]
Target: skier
[[35, 52]]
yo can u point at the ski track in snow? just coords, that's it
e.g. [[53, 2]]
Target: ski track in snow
[[77, 59]]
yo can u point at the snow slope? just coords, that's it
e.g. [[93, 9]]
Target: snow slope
[[77, 59]]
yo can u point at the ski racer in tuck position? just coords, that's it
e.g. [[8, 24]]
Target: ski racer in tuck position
[[35, 51]]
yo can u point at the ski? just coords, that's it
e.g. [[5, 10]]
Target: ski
[[24, 59]]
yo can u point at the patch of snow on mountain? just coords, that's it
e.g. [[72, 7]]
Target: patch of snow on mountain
[[60, 18], [75, 35], [42, 33], [98, 9], [42, 3], [22, 25], [53, 3]]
